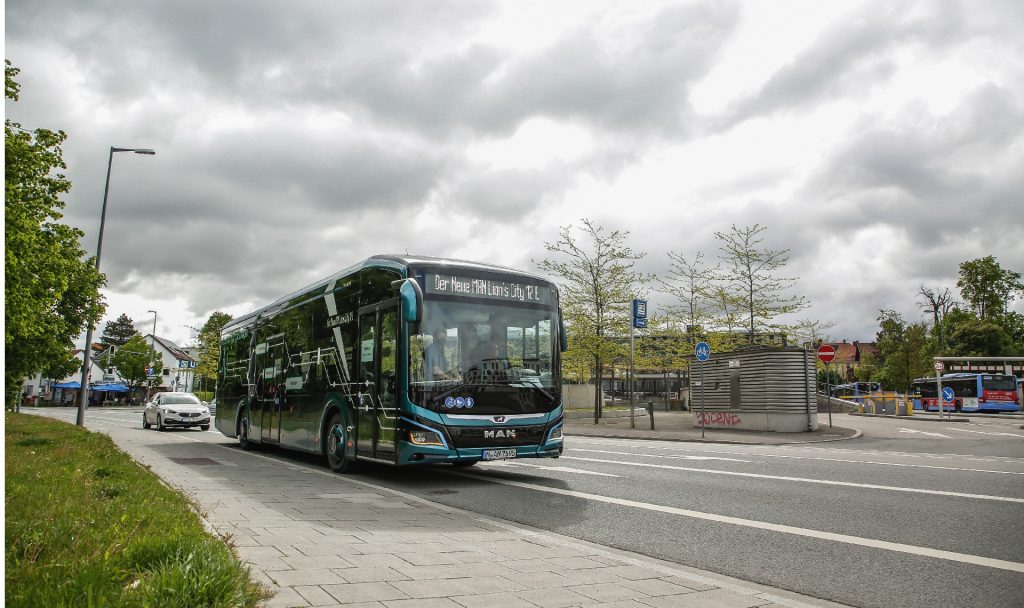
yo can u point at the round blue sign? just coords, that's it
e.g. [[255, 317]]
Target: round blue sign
[[947, 394], [703, 351]]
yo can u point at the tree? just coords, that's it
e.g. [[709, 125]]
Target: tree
[[974, 337], [939, 303], [209, 345], [118, 331], [902, 349], [51, 288], [752, 277], [811, 331], [132, 359], [598, 283], [987, 287]]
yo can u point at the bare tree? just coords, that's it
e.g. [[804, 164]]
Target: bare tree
[[598, 283], [938, 303], [751, 274]]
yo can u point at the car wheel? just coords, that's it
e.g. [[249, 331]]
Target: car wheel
[[243, 431], [204, 427], [145, 423], [335, 441], [160, 423]]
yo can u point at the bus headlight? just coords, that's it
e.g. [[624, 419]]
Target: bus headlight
[[556, 434], [425, 437]]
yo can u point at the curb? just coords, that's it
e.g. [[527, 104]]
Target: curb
[[915, 417]]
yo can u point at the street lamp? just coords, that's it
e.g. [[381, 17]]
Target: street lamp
[[83, 396]]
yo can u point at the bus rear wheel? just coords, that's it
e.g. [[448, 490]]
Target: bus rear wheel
[[335, 441]]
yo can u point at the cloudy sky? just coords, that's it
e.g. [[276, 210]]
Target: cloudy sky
[[881, 142]]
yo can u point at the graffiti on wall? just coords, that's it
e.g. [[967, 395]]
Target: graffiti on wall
[[719, 418]]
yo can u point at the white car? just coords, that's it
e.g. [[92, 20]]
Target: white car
[[167, 410]]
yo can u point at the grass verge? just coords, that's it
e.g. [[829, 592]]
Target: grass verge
[[88, 526]]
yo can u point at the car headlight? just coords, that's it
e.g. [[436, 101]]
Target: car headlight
[[170, 412]]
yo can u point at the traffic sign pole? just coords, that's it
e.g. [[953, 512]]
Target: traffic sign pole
[[703, 353], [827, 352]]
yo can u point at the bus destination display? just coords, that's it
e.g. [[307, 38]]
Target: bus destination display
[[446, 284]]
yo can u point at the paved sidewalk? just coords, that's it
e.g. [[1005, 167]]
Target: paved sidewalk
[[681, 426], [320, 539]]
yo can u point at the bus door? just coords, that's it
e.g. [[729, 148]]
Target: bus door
[[377, 381], [270, 394]]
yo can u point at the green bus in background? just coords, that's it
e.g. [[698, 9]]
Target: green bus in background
[[400, 360]]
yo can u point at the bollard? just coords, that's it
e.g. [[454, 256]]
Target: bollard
[[650, 412]]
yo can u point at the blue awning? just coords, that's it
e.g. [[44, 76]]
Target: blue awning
[[68, 385], [115, 387]]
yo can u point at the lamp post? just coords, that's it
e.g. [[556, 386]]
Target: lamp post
[[152, 345], [83, 397]]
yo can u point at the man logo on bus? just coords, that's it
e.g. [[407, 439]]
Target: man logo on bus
[[500, 434]]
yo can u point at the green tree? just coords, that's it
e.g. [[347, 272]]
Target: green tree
[[131, 360], [903, 351], [51, 288], [987, 287], [598, 284], [751, 273], [209, 347], [118, 331]]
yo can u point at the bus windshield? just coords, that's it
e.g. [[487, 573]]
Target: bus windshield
[[472, 356]]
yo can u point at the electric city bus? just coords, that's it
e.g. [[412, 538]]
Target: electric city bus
[[400, 360], [971, 393]]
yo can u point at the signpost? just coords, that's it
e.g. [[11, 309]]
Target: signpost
[[639, 321], [826, 353], [703, 353]]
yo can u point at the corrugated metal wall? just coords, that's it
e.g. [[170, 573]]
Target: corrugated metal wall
[[779, 381]]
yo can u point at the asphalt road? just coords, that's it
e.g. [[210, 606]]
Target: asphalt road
[[914, 513]]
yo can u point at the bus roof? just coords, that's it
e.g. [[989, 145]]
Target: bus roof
[[959, 376], [397, 262]]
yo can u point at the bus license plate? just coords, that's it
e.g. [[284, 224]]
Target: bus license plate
[[499, 454]]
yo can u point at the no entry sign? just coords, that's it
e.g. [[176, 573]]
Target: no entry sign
[[826, 352]]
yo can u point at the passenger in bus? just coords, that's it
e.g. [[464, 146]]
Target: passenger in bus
[[436, 361]]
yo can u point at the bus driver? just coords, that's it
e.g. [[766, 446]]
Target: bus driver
[[436, 361]]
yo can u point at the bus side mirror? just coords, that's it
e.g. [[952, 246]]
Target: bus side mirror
[[412, 300], [563, 338]]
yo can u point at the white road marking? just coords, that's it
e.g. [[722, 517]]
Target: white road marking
[[512, 464], [847, 484], [761, 525], [789, 456], [673, 456], [953, 428], [923, 433]]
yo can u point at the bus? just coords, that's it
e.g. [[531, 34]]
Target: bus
[[400, 360], [855, 391], [971, 393]]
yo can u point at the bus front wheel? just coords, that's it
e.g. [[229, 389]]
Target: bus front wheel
[[335, 441]]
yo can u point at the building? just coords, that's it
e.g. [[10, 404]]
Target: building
[[851, 356], [179, 365]]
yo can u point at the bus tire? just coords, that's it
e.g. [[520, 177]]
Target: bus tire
[[334, 442], [243, 430]]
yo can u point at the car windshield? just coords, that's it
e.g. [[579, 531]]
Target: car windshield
[[483, 357], [180, 400]]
